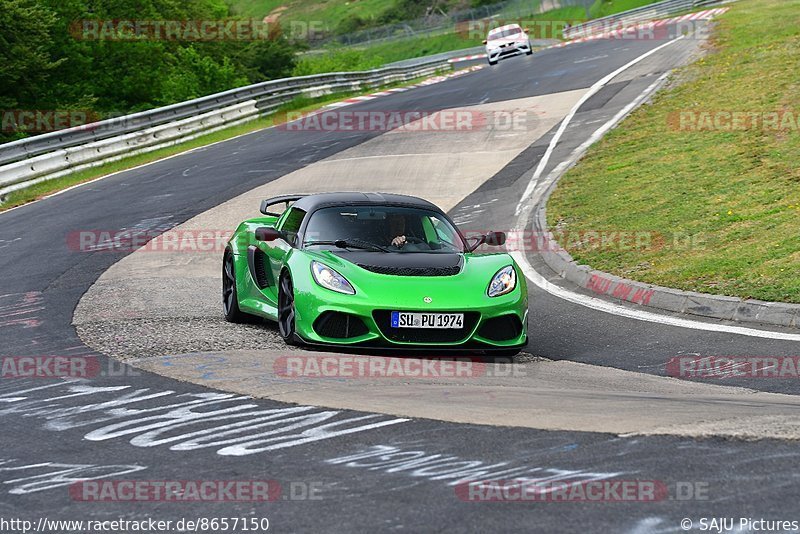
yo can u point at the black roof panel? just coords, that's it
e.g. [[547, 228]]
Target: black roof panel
[[313, 202]]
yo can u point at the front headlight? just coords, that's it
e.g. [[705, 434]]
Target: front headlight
[[330, 279], [504, 281]]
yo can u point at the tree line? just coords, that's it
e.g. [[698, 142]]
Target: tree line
[[46, 64]]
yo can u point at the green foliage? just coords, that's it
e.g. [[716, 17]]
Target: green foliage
[[45, 64], [351, 23], [25, 40], [405, 10], [270, 59], [337, 60], [194, 75]]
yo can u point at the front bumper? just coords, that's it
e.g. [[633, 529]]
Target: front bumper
[[499, 323], [512, 49]]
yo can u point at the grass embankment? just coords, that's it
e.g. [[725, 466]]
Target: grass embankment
[[734, 186]]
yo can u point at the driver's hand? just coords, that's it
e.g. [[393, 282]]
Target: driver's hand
[[399, 241]]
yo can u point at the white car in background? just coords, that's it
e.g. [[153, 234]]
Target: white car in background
[[506, 41]]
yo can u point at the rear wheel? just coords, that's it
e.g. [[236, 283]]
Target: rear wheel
[[230, 298], [286, 310], [530, 49]]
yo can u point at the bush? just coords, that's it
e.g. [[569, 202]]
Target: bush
[[335, 61], [44, 66]]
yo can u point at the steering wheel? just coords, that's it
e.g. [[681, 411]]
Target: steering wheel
[[414, 240]]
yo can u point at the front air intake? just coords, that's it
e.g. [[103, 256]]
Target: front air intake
[[339, 325], [503, 328]]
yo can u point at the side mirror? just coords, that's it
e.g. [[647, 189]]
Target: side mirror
[[495, 239], [267, 233], [485, 41]]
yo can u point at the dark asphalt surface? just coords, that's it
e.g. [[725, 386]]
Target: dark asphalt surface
[[53, 434]]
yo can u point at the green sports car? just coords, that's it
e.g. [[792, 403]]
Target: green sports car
[[373, 270]]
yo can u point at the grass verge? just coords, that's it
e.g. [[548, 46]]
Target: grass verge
[[724, 196], [303, 104]]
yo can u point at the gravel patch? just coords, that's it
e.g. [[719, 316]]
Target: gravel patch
[[135, 339]]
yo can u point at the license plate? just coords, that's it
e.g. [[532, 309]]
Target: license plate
[[427, 320]]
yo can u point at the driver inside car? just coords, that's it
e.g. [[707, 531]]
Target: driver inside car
[[397, 228], [397, 232]]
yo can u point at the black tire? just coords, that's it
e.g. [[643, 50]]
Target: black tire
[[230, 299], [286, 310], [530, 49], [492, 63]]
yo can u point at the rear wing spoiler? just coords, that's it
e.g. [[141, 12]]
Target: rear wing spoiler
[[274, 201]]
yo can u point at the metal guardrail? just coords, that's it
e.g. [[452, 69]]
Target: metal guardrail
[[444, 56], [48, 156], [268, 96], [639, 14]]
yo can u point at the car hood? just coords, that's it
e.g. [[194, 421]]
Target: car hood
[[410, 264], [443, 266], [509, 39]]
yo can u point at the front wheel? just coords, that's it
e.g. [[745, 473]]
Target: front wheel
[[286, 310]]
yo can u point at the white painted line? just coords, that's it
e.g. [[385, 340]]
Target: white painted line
[[600, 132], [594, 302], [640, 315], [593, 90]]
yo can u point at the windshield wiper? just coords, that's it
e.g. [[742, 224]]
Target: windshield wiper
[[350, 243]]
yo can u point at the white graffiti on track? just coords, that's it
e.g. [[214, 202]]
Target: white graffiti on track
[[234, 425], [456, 470], [30, 478]]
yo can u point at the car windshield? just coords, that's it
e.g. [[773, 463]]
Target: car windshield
[[382, 229], [508, 32]]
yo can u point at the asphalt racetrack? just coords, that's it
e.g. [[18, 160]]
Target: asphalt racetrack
[[373, 457]]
